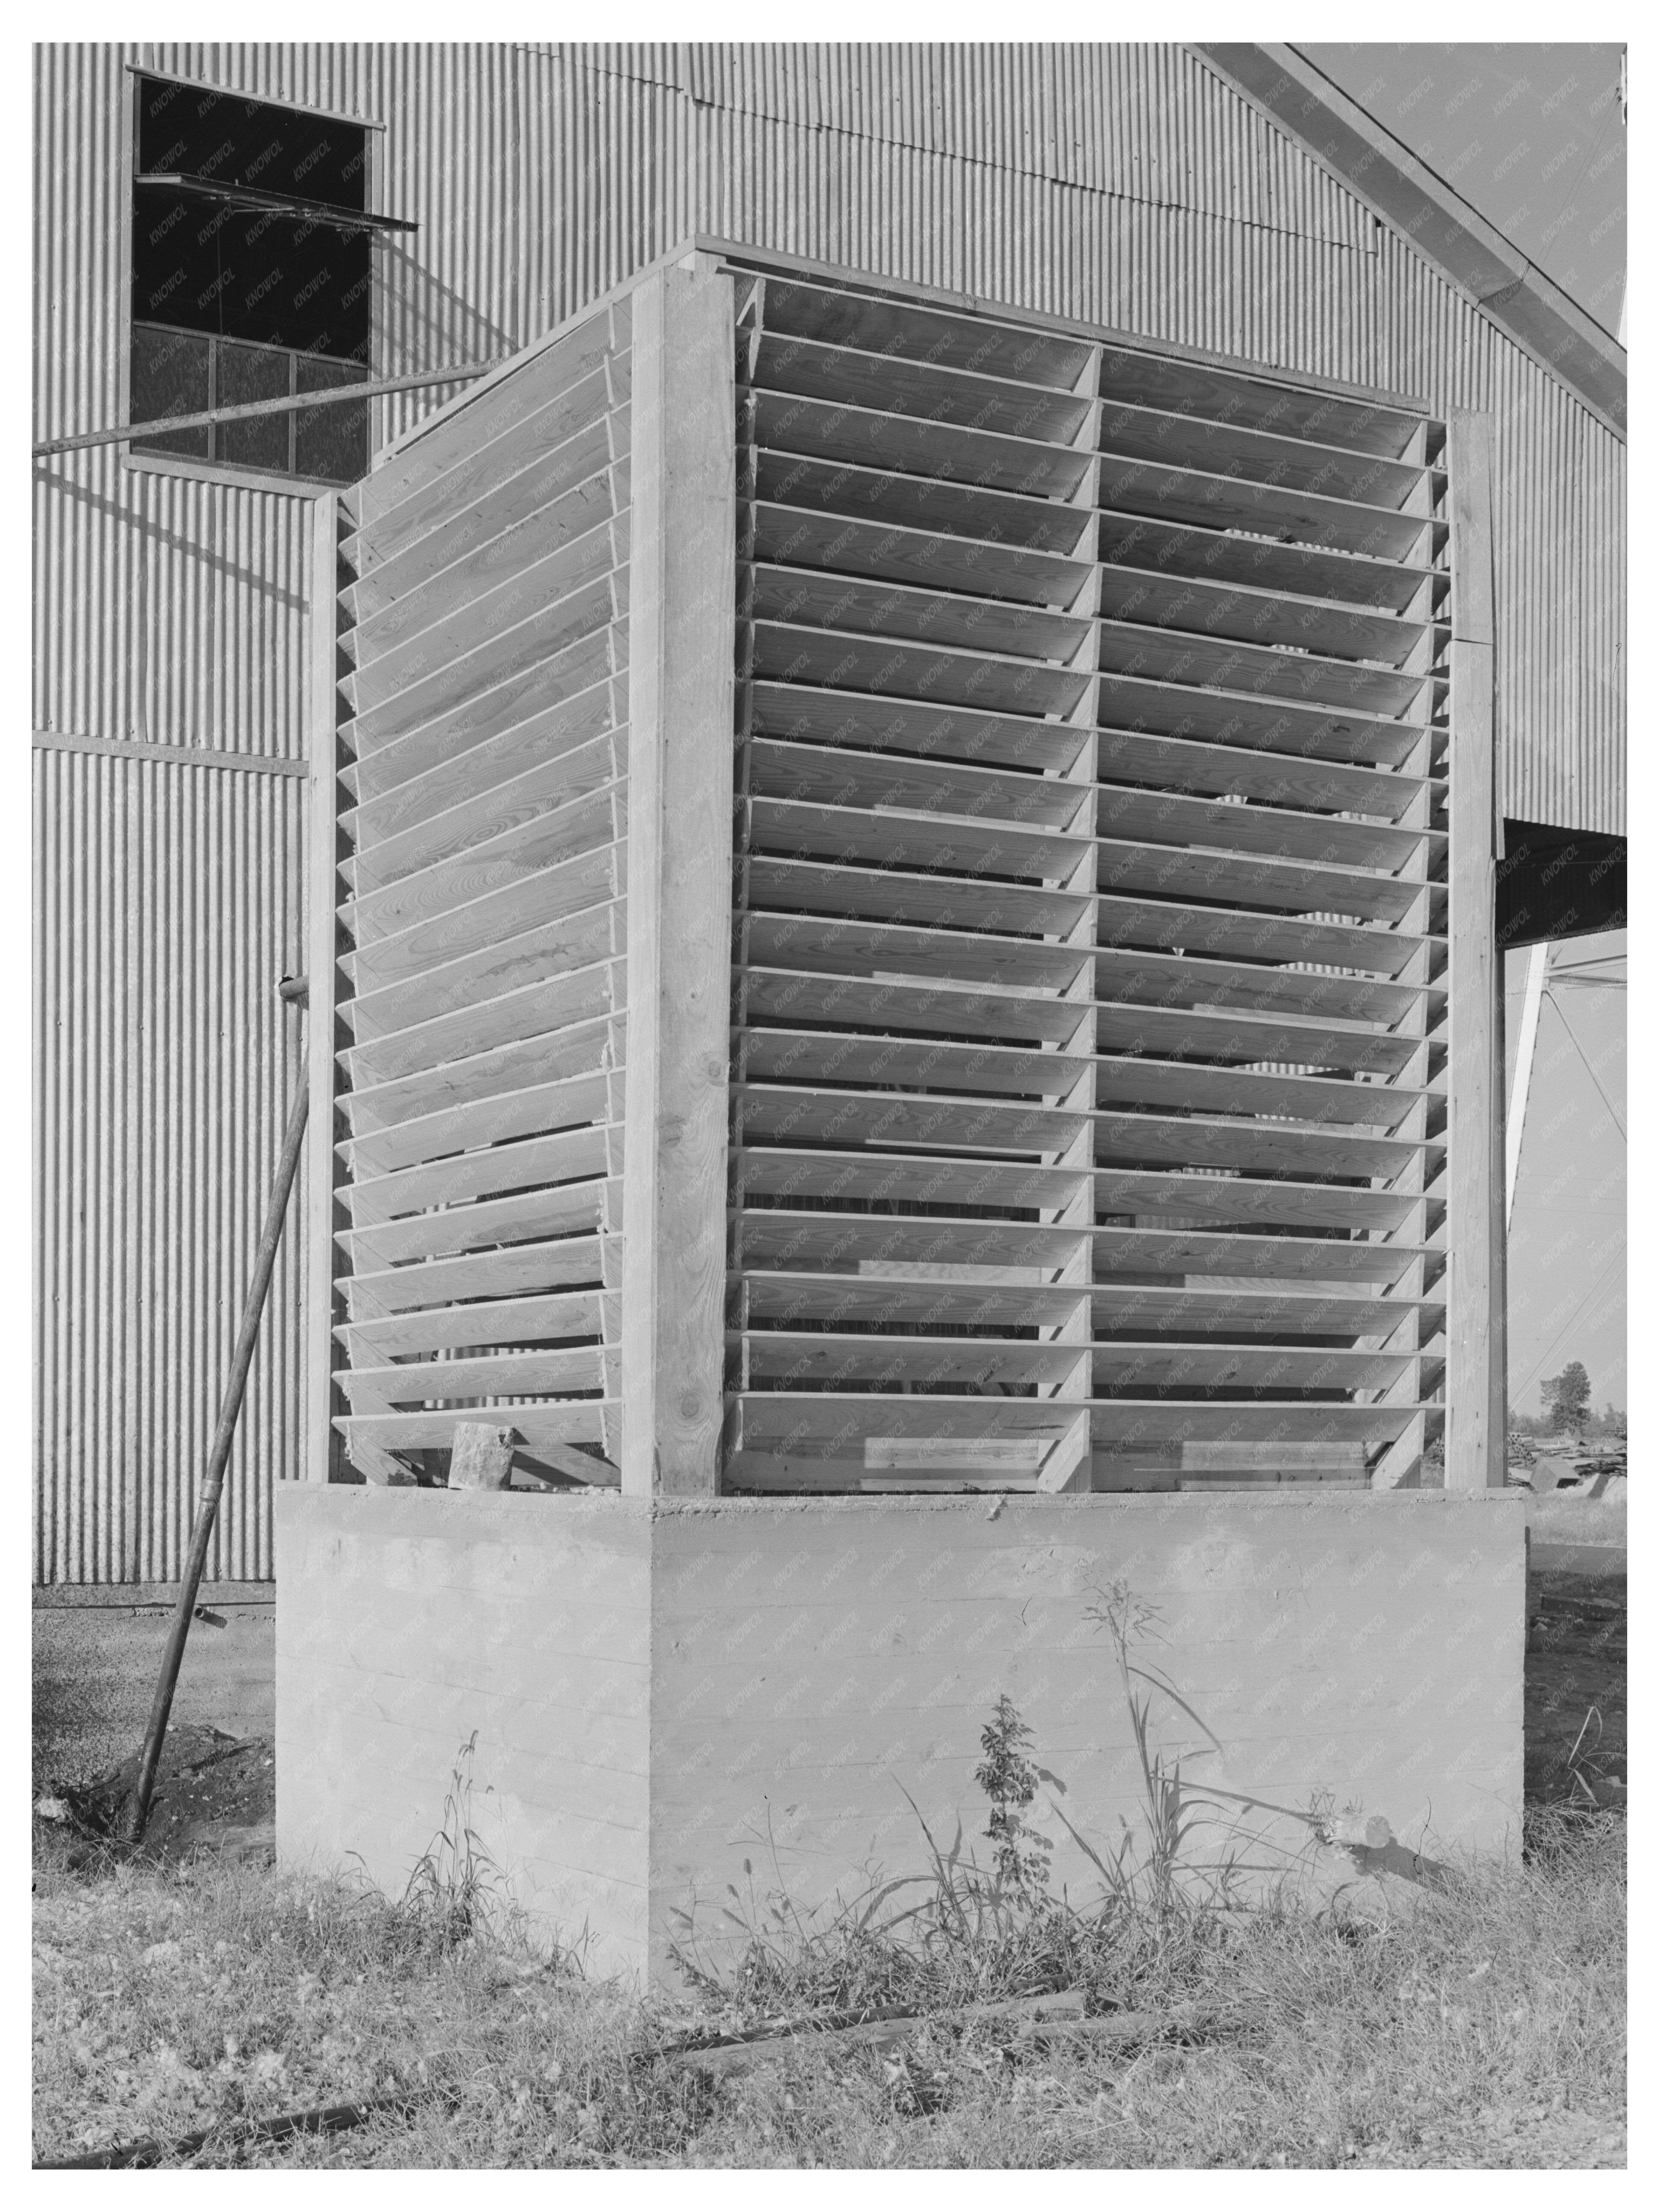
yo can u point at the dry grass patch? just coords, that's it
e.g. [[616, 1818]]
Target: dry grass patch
[[1484, 2028]]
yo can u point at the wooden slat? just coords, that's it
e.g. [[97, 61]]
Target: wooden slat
[[838, 315], [951, 740], [834, 946], [530, 954], [943, 393], [1184, 387], [895, 838], [800, 1056], [559, 473], [808, 1420], [796, 1357], [1253, 879], [565, 577], [987, 1071], [1170, 818], [873, 438], [549, 895], [890, 1177], [532, 1111], [888, 668], [803, 537], [515, 1269], [1234, 933], [858, 607], [556, 781], [558, 1001], [915, 725], [823, 887], [908, 329], [844, 660], [885, 1004], [839, 776], [796, 1236], [558, 1157], [582, 1049], [565, 1209], [401, 496], [871, 1177], [503, 712], [561, 518], [810, 536], [1269, 778], [1195, 547], [782, 1296], [525, 848], [466, 779], [500, 1374], [811, 1115], [494, 659], [562, 1421], [495, 1321]]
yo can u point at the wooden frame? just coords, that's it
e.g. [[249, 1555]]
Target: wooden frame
[[680, 874], [1476, 1375], [184, 464], [322, 1442]]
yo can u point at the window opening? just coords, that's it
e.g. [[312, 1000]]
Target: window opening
[[251, 239]]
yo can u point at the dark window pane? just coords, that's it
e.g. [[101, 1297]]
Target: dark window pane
[[192, 130], [263, 278], [247, 374], [330, 442], [168, 376]]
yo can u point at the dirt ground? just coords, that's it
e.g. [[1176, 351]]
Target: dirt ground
[[95, 1666]]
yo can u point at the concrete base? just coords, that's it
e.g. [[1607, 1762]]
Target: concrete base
[[664, 1691]]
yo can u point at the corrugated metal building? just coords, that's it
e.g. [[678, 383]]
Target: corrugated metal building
[[1147, 189]]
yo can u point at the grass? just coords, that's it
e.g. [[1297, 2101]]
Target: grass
[[1485, 2029]]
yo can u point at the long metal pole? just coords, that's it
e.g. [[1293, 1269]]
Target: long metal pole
[[253, 411], [207, 1512]]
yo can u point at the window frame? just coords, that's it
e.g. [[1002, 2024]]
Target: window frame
[[187, 465]]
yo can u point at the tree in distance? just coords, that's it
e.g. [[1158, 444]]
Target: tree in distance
[[1567, 1395]]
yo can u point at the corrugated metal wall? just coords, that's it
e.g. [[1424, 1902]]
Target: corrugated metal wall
[[1122, 184]]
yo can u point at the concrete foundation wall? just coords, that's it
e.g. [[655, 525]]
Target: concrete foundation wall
[[408, 1619], [664, 1691]]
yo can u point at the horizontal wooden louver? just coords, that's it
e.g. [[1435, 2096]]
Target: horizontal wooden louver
[[1088, 978], [484, 808]]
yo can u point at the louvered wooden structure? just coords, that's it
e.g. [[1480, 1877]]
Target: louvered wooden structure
[[948, 813]]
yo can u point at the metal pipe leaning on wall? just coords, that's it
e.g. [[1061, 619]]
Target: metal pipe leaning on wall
[[462, 373], [264, 1260]]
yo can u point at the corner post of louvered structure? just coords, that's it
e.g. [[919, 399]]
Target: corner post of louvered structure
[[318, 1204], [1400, 1464], [1068, 1464], [1476, 1381], [682, 611]]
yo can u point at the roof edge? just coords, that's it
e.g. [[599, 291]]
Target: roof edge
[[1489, 271]]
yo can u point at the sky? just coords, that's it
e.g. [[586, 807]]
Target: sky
[[1532, 137]]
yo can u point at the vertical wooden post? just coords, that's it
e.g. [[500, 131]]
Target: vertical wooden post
[[322, 893], [682, 611], [1476, 1380]]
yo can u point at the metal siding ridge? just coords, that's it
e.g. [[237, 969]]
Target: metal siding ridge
[[167, 906]]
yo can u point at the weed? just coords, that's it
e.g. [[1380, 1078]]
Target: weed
[[455, 1883], [1008, 1778]]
